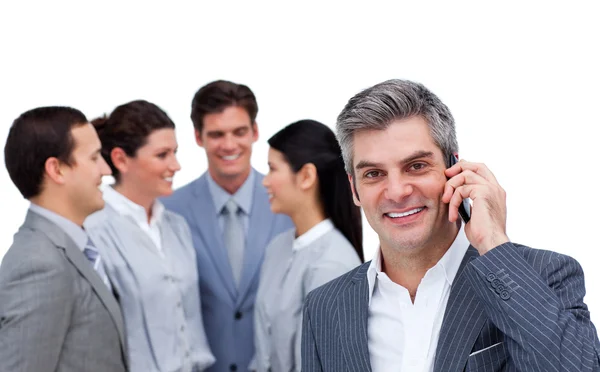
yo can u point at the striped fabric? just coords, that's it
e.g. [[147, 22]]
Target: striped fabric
[[512, 309]]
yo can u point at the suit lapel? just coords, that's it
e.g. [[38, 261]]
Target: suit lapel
[[463, 320], [204, 212], [77, 258], [259, 232], [353, 313]]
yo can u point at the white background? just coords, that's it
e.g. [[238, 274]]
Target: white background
[[521, 79]]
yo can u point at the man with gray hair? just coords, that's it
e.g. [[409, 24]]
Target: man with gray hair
[[444, 292]]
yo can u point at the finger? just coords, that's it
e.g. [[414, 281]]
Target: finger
[[478, 168], [467, 177], [459, 194]]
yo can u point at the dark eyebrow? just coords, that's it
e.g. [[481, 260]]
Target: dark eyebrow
[[417, 155]]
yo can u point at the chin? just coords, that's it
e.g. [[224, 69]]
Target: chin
[[274, 209]]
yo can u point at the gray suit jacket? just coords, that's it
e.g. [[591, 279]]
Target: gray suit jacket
[[512, 309], [56, 314]]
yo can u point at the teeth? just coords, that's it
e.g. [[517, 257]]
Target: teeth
[[168, 179], [413, 211], [231, 157]]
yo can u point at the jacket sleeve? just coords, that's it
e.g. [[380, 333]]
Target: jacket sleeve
[[541, 312], [35, 311]]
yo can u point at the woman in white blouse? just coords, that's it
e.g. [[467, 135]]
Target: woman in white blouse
[[146, 249], [307, 182]]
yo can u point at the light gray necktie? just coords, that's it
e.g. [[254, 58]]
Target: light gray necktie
[[233, 235], [91, 252]]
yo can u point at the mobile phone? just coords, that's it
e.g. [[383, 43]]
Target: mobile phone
[[465, 207]]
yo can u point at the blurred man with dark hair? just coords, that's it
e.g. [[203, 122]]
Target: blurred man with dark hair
[[57, 310], [229, 215]]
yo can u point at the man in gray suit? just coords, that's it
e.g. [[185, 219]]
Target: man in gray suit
[[229, 243], [57, 311], [444, 293]]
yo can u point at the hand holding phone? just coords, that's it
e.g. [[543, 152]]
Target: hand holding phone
[[465, 208]]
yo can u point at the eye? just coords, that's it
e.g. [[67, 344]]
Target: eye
[[162, 155], [372, 174], [418, 166], [241, 132]]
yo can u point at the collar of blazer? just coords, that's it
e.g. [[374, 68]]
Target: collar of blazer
[[78, 259], [463, 319]]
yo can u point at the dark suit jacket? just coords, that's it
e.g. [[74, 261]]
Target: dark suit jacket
[[56, 314], [512, 309]]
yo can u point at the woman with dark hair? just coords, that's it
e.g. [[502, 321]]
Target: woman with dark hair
[[307, 182], [146, 249]]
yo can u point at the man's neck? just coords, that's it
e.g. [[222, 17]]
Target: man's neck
[[58, 206], [230, 184], [408, 269]]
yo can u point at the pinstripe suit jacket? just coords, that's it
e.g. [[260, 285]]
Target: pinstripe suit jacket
[[513, 309]]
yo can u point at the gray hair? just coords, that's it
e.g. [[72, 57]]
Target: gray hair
[[375, 108]]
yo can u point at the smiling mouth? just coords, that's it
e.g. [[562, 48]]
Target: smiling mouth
[[230, 157], [168, 179], [405, 214]]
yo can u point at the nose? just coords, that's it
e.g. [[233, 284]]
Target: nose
[[229, 142], [104, 168], [398, 188], [175, 166], [265, 181]]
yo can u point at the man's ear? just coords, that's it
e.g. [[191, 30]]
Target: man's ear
[[354, 192], [307, 176], [119, 159], [254, 132], [198, 136], [54, 170]]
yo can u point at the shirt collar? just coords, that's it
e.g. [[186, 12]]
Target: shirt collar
[[242, 197], [450, 261], [312, 234], [75, 232], [126, 207]]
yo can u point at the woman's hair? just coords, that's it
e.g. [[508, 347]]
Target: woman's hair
[[128, 128], [308, 141]]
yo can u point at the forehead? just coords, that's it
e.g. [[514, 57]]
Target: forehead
[[230, 118], [400, 139], [275, 155], [161, 137]]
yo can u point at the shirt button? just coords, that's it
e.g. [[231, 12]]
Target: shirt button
[[233, 367], [187, 354], [179, 304], [238, 315], [182, 328]]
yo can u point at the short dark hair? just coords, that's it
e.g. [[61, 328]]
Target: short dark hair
[[128, 128], [217, 96], [309, 141], [35, 136]]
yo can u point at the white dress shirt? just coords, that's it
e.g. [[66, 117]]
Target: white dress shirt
[[403, 336], [126, 207]]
